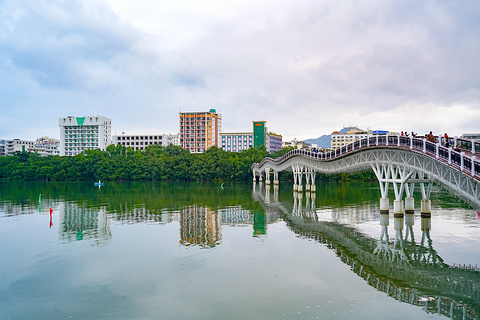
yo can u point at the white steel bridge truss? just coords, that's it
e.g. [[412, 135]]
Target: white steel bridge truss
[[401, 167]]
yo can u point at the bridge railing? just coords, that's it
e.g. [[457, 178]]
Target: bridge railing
[[461, 153]]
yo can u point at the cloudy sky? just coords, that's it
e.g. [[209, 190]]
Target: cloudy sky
[[307, 67]]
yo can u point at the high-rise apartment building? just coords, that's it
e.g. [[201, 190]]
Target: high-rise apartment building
[[78, 134], [200, 130]]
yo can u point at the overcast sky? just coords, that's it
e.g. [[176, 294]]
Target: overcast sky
[[306, 67]]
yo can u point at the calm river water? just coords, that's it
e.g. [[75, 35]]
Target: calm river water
[[232, 251]]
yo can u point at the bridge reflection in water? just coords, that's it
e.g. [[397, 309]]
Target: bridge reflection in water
[[405, 270]]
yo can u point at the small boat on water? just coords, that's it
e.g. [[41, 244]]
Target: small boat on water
[[98, 183]]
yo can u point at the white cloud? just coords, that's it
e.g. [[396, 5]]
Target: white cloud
[[306, 67]]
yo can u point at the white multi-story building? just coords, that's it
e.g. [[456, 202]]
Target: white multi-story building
[[44, 146], [236, 142], [45, 150], [78, 134], [339, 140], [176, 140], [8, 147], [140, 141]]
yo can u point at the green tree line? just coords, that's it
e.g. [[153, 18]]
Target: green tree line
[[155, 163]]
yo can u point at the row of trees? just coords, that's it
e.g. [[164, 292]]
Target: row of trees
[[156, 163]]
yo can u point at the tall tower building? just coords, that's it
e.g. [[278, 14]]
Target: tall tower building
[[84, 133], [200, 130], [259, 132]]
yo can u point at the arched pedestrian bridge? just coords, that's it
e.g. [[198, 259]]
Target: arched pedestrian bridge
[[397, 160]]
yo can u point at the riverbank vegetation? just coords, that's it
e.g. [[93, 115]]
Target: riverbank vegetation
[[156, 163]]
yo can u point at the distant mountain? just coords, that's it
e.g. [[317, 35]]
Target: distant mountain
[[325, 141]]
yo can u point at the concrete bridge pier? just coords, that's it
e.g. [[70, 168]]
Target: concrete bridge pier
[[409, 205], [398, 208], [307, 179], [275, 178], [409, 201], [267, 176], [310, 179], [426, 204], [297, 177], [313, 188], [384, 206], [426, 207]]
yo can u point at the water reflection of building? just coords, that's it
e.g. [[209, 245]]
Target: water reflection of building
[[203, 226], [200, 226], [126, 214], [238, 217], [83, 223]]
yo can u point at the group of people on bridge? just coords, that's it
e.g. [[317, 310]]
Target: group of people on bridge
[[430, 137]]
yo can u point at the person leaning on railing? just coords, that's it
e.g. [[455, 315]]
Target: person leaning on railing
[[430, 137]]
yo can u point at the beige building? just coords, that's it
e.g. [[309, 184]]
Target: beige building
[[339, 140]]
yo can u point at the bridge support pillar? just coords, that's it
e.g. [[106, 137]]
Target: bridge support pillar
[[275, 178], [307, 187], [426, 208], [384, 206], [267, 176], [398, 209], [409, 205]]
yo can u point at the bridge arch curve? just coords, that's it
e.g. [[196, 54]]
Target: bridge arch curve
[[400, 160]]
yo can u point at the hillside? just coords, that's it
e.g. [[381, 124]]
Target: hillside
[[324, 141]]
